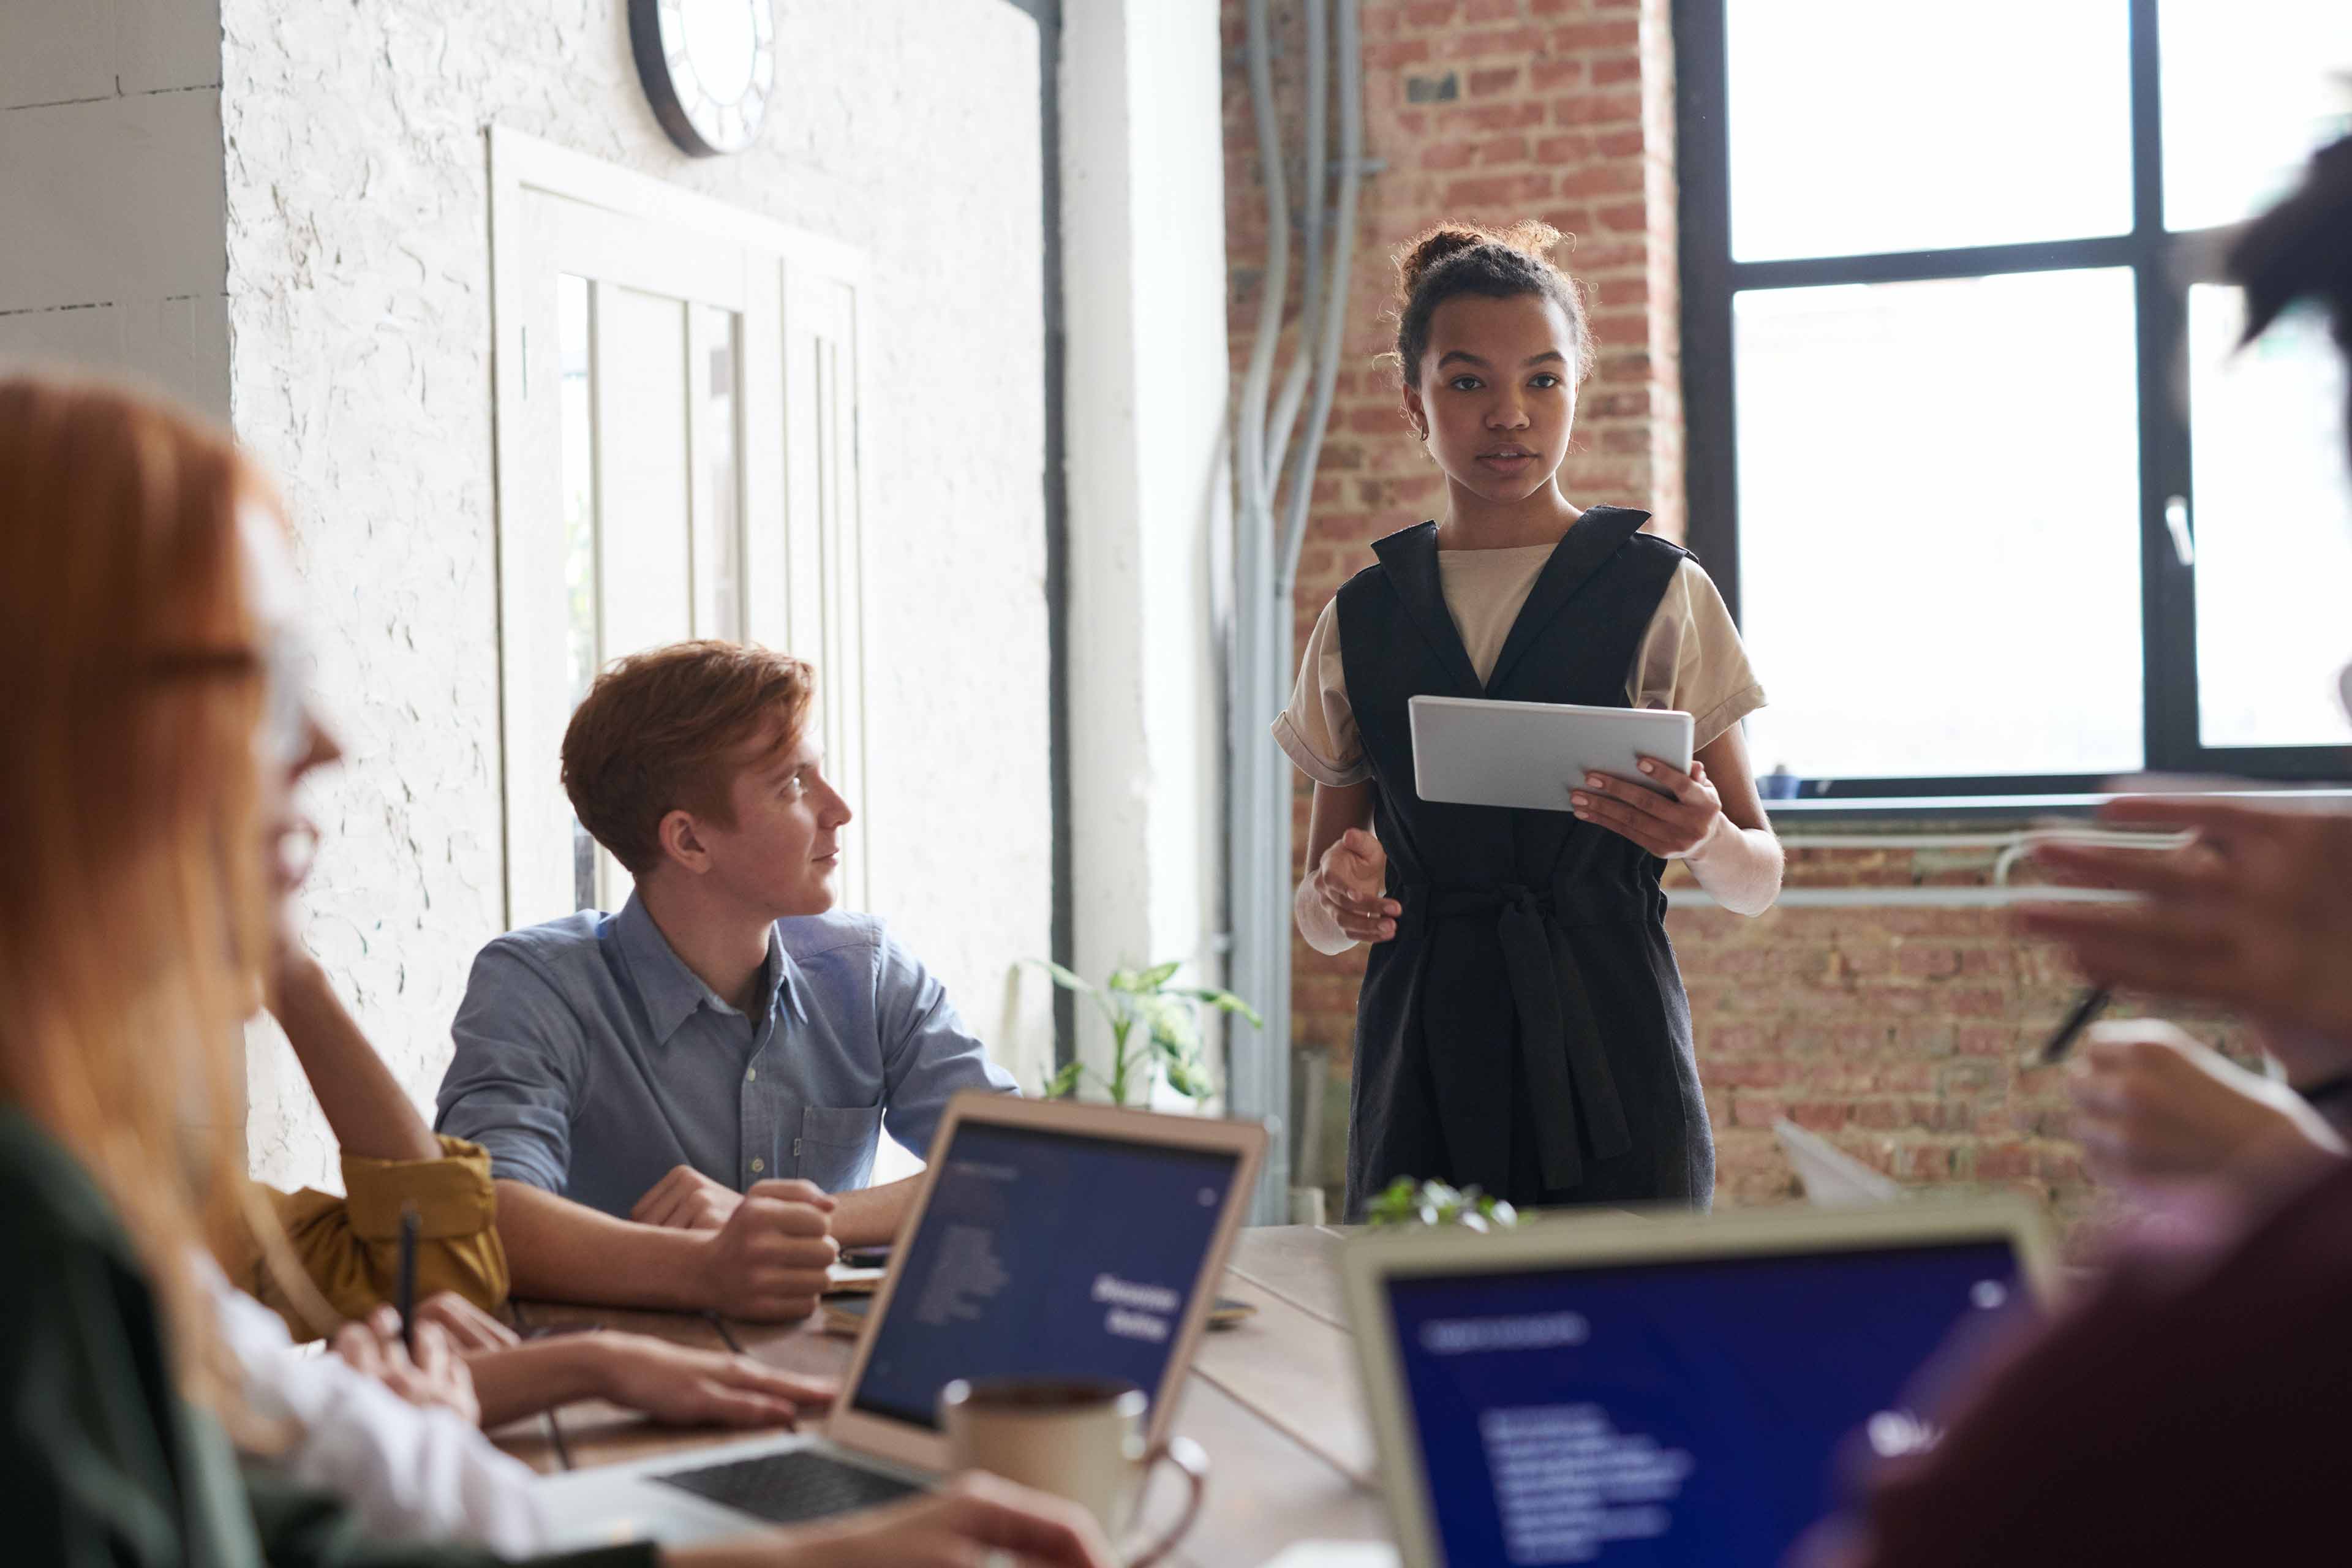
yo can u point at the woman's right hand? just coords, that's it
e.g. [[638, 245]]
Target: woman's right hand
[[435, 1378], [972, 1519], [1347, 887]]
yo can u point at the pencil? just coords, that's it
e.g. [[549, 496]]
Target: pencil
[[2094, 1001], [409, 1224]]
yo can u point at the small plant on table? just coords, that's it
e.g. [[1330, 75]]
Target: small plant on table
[[1155, 1029]]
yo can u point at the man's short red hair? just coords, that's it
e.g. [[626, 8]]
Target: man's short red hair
[[670, 729]]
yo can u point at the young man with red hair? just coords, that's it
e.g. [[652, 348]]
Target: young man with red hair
[[682, 1101]]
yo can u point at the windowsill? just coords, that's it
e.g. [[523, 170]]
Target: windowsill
[[1907, 813]]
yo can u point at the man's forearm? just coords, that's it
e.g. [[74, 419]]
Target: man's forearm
[[869, 1216], [371, 1114], [558, 1250]]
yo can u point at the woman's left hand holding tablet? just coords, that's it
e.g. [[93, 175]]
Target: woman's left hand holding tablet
[[1664, 827]]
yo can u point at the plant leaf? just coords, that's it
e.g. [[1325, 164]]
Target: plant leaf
[[1122, 980], [1223, 1002], [1062, 977], [1064, 1083], [1158, 974], [1187, 1080]]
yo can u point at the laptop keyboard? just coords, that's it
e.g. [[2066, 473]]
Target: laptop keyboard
[[789, 1487]]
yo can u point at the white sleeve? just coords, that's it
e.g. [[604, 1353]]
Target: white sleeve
[[402, 1470]]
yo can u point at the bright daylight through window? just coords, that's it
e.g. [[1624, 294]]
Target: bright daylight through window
[[1999, 506]]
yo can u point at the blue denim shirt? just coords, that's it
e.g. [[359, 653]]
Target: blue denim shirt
[[590, 1060]]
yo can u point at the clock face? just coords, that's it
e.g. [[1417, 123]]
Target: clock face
[[709, 68]]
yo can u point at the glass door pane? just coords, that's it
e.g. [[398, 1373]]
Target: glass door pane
[[1939, 525], [576, 395], [2273, 522], [1861, 126], [2250, 92], [718, 474], [644, 555]]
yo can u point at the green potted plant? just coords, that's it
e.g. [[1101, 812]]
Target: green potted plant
[[1407, 1201], [1155, 1030]]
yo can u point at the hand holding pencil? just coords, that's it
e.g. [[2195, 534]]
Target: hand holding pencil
[[436, 1375], [2253, 912]]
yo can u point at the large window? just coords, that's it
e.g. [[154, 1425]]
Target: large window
[[1972, 454]]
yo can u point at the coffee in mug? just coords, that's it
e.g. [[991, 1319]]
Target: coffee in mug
[[1079, 1438]]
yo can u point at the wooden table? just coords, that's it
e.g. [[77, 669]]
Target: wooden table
[[1273, 1401]]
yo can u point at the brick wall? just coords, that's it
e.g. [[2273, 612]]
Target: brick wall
[[1894, 1031]]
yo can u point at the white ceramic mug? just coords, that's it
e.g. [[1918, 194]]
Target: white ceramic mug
[[1079, 1438]]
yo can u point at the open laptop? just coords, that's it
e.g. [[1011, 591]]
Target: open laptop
[[1047, 1238], [1669, 1389]]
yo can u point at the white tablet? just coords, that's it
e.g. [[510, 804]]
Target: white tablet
[[1473, 752]]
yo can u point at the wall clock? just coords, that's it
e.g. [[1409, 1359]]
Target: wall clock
[[709, 67]]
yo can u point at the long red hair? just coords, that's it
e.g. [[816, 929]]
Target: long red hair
[[132, 909]]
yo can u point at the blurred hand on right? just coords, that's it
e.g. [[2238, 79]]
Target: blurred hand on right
[[2253, 912], [2152, 1105]]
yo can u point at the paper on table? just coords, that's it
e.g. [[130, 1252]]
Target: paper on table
[[842, 1278]]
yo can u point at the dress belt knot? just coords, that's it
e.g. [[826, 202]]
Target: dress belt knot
[[1560, 1049]]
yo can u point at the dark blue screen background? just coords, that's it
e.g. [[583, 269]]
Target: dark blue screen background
[[1757, 1368], [1046, 1214]]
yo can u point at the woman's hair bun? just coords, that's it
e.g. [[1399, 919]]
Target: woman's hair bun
[[1433, 246], [1530, 237]]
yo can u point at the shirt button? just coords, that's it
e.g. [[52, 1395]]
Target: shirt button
[[751, 1075], [758, 1165]]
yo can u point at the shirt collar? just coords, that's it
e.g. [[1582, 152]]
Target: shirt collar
[[669, 990]]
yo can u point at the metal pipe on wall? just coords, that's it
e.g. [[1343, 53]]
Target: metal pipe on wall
[[1268, 536], [1315, 185]]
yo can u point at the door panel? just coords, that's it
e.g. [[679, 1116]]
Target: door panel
[[677, 457]]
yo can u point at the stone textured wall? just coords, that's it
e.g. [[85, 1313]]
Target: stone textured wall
[[359, 302], [1896, 1032]]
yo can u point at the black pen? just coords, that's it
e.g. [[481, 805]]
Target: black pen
[[407, 1303], [2093, 1003]]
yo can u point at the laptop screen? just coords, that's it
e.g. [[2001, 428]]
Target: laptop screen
[[1046, 1254], [1673, 1410]]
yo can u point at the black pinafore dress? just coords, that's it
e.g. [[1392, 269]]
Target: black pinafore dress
[[1525, 1028]]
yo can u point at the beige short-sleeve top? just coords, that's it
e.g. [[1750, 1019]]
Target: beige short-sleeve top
[[1690, 659]]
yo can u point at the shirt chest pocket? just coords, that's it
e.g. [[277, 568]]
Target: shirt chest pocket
[[834, 1147]]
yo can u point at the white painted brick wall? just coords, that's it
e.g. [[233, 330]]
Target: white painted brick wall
[[358, 294], [110, 251]]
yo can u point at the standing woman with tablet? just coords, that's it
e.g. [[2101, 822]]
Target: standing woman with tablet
[[1522, 1025]]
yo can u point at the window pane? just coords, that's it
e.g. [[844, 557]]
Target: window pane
[[717, 481], [641, 472], [2274, 527], [574, 356], [1939, 525], [2248, 92], [1859, 126]]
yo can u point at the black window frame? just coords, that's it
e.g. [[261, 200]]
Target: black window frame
[[2164, 266]]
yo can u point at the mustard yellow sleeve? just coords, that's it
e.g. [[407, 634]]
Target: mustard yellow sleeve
[[350, 1246]]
